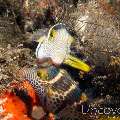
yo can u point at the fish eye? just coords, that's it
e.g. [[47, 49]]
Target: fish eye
[[53, 33]]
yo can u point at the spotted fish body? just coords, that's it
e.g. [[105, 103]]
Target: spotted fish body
[[55, 93]]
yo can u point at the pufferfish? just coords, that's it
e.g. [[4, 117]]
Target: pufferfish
[[55, 45], [55, 88]]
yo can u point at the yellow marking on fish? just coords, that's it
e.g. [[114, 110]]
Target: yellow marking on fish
[[77, 63], [42, 74], [53, 34], [71, 39], [50, 92], [41, 39]]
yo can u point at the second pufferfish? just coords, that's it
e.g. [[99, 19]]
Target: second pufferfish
[[54, 86]]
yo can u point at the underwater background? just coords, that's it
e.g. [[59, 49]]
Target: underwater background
[[95, 24]]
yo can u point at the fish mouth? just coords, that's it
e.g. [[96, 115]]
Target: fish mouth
[[77, 63]]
